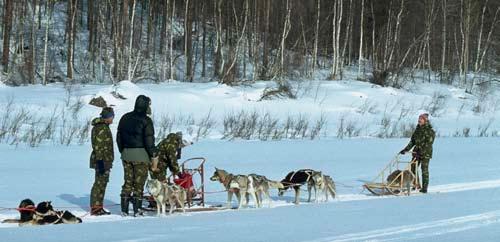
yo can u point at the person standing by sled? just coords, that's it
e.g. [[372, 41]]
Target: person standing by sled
[[421, 141], [135, 139], [101, 159]]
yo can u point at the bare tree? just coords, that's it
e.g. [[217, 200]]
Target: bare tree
[[130, 52], [70, 36], [316, 38], [7, 26], [50, 4], [188, 40], [361, 27], [337, 27]]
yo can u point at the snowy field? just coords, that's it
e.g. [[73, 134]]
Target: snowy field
[[462, 204], [350, 108]]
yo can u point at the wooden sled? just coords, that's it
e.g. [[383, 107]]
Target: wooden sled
[[381, 187]]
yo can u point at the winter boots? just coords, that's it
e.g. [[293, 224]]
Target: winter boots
[[99, 211], [124, 204], [137, 206]]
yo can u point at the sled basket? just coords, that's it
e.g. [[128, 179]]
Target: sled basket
[[380, 186]]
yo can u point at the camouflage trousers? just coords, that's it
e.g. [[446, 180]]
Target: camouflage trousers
[[424, 165], [161, 173], [134, 175], [98, 189]]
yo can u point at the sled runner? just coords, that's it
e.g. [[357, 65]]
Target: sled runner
[[397, 178]]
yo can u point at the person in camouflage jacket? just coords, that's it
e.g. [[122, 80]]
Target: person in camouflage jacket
[[421, 142], [101, 159], [169, 151]]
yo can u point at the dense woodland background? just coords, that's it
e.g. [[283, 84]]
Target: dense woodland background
[[387, 42]]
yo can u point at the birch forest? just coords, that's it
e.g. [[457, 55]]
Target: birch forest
[[386, 42]]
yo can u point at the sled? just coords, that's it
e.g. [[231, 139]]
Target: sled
[[191, 178], [381, 187]]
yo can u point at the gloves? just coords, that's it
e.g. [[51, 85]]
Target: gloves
[[179, 152], [100, 167], [175, 170], [402, 152], [154, 164]]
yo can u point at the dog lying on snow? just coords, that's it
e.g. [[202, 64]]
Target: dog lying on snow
[[164, 194], [42, 214]]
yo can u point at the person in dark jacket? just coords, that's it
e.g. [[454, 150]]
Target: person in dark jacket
[[101, 159], [135, 140], [421, 142]]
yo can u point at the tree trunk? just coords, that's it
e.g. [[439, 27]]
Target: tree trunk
[[47, 26], [131, 38], [203, 47], [150, 26], [172, 64], [7, 26], [32, 56], [316, 38], [443, 47], [361, 27], [70, 33], [265, 56], [188, 40]]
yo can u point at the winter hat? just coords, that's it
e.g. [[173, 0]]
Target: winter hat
[[107, 112], [424, 116]]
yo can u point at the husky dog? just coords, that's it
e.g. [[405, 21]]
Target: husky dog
[[42, 214], [45, 214], [164, 193], [240, 185], [330, 187], [176, 196], [323, 183], [295, 179], [26, 211], [158, 190], [406, 176], [262, 186]]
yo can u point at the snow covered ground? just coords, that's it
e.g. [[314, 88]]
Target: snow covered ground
[[356, 108], [462, 204], [464, 192]]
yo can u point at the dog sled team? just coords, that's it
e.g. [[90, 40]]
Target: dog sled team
[[141, 157]]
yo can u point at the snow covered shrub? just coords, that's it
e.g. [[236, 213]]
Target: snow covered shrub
[[437, 104], [347, 128], [205, 125], [482, 130], [367, 106], [164, 124], [320, 124]]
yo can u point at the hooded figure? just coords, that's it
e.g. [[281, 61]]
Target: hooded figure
[[135, 140]]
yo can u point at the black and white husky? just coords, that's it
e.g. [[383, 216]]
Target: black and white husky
[[42, 214], [295, 179]]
